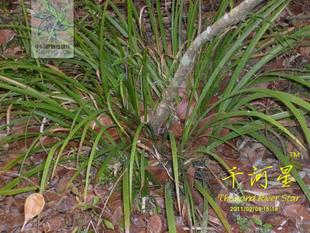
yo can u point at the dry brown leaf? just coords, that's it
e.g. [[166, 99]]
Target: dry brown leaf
[[34, 205], [211, 102], [54, 223], [158, 172], [117, 212], [296, 210], [224, 132], [155, 224], [182, 110], [254, 152], [304, 51], [190, 173], [106, 121], [275, 220], [6, 35], [64, 182], [13, 52], [182, 90], [158, 196], [176, 129], [180, 225]]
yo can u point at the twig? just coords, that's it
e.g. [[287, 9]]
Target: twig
[[8, 119], [108, 198], [162, 112], [298, 17]]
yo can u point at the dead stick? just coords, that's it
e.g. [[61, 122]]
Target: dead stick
[[162, 112]]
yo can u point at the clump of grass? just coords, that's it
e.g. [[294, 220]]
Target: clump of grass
[[104, 103]]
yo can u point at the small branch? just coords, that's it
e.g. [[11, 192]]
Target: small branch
[[187, 63]]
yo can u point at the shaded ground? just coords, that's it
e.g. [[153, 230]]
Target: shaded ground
[[65, 210]]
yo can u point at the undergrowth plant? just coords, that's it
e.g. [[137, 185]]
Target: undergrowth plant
[[94, 109]]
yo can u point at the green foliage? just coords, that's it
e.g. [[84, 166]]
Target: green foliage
[[118, 73], [248, 223], [169, 210], [243, 223]]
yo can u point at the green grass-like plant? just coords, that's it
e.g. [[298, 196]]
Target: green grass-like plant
[[118, 74]]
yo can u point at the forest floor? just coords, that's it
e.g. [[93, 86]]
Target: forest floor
[[65, 210]]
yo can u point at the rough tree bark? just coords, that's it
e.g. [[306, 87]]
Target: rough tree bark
[[163, 110]]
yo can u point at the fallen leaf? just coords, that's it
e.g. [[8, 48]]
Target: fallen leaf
[[66, 204], [182, 109], [176, 129], [155, 224], [224, 132], [14, 52], [9, 220], [117, 212], [6, 35], [277, 63], [296, 210], [180, 225], [289, 227], [254, 152], [276, 220], [138, 221], [64, 182], [211, 102], [190, 173], [182, 90], [304, 51], [157, 195], [54, 223], [106, 121], [34, 205], [158, 172]]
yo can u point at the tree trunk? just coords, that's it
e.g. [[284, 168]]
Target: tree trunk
[[165, 106]]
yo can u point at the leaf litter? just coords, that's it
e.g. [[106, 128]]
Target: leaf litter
[[65, 212]]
